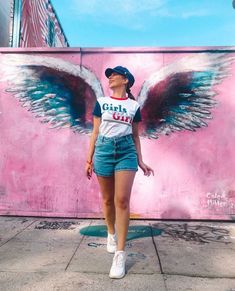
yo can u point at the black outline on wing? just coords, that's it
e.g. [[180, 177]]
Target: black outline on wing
[[180, 96], [57, 96]]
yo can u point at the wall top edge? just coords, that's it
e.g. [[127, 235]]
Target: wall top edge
[[119, 49]]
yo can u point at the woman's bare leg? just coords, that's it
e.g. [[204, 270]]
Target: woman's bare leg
[[123, 185], [107, 190]]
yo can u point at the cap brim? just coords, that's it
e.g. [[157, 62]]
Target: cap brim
[[108, 72]]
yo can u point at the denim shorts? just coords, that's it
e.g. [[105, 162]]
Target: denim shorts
[[114, 154]]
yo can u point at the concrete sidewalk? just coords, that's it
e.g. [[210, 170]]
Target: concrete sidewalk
[[70, 254]]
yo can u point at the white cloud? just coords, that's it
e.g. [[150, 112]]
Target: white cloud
[[197, 13], [131, 8], [136, 14], [182, 11], [116, 7], [120, 12], [183, 14]]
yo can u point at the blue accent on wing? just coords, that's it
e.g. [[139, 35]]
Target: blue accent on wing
[[183, 101], [56, 97]]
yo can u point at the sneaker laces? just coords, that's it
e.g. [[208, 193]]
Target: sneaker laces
[[118, 259]]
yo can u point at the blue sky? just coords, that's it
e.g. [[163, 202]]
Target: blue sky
[[154, 23]]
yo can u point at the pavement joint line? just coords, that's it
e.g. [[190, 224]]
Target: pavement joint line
[[77, 248], [129, 274], [18, 233], [76, 272], [105, 273], [198, 276], [29, 272], [158, 256], [155, 247]]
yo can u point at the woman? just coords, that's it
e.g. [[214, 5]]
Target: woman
[[115, 145]]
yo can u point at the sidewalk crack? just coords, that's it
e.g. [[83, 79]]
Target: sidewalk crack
[[155, 246], [158, 256], [18, 233], [77, 248]]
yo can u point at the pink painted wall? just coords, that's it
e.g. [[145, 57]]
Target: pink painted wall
[[43, 150]]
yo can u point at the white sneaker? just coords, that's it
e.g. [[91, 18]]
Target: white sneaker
[[111, 243], [118, 269]]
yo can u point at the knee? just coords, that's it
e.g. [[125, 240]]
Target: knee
[[122, 203], [108, 202]]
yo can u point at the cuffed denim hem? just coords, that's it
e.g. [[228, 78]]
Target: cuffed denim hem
[[126, 169]]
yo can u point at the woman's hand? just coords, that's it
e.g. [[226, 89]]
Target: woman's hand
[[89, 169], [146, 169]]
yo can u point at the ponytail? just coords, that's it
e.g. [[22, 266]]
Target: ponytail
[[128, 91]]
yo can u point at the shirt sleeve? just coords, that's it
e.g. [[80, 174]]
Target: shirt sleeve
[[137, 117], [97, 109]]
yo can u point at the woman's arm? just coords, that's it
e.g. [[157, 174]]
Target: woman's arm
[[95, 132], [145, 168]]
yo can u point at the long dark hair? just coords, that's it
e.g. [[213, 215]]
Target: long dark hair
[[128, 91]]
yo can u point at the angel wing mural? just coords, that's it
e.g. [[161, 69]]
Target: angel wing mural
[[182, 96], [56, 91], [178, 97]]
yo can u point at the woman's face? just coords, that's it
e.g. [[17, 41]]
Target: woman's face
[[117, 80]]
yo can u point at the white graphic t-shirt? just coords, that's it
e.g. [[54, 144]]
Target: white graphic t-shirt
[[116, 115]]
